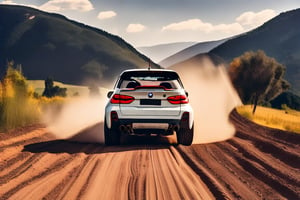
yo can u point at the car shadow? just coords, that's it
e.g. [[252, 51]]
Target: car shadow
[[88, 141]]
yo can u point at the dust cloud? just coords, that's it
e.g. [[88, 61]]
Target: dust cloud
[[210, 92], [212, 97], [79, 119]]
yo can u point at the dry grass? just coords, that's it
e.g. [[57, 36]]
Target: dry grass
[[82, 91], [286, 119], [18, 107]]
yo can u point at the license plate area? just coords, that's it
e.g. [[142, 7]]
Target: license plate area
[[163, 126], [155, 102]]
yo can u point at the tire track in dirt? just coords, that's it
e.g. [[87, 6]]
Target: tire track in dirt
[[95, 171], [258, 163], [19, 168], [271, 164], [36, 179], [13, 142], [145, 173]]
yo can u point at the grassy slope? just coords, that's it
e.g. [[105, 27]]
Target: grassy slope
[[287, 119]]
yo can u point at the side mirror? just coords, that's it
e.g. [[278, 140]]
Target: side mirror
[[109, 94], [186, 93]]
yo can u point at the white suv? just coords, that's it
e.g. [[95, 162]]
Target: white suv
[[146, 102]]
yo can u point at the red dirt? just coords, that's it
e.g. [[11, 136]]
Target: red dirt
[[258, 163]]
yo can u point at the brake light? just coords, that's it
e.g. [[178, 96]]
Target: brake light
[[178, 99], [121, 99]]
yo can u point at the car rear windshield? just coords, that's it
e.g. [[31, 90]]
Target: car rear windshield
[[150, 75], [132, 79]]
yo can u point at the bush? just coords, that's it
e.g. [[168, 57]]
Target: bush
[[53, 91], [17, 105]]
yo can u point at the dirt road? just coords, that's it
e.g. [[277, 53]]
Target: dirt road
[[258, 163]]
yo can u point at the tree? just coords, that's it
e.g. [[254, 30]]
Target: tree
[[52, 91], [15, 105], [257, 77], [48, 87]]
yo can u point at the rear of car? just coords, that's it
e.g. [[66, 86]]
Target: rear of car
[[146, 102]]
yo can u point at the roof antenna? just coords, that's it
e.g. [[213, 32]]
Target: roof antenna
[[149, 67]]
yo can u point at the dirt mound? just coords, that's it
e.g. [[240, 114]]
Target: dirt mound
[[258, 163]]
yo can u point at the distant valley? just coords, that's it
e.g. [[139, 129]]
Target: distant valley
[[161, 51]]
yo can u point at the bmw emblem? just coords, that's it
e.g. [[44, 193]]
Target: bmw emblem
[[150, 94]]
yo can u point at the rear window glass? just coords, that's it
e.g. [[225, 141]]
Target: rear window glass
[[150, 75], [168, 80]]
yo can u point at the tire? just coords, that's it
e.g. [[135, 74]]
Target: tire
[[185, 136], [111, 135]]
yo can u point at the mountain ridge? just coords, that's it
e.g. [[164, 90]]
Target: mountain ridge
[[161, 51], [189, 52], [278, 38], [50, 44]]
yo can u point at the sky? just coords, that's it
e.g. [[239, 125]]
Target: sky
[[153, 22]]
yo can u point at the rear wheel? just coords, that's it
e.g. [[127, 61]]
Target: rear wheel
[[185, 135], [111, 135]]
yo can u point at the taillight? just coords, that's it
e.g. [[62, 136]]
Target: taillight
[[178, 99], [121, 99]]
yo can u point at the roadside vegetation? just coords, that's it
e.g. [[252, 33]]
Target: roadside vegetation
[[19, 104], [24, 102], [257, 78], [16, 104], [284, 119]]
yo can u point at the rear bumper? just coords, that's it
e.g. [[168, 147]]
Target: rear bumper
[[138, 126], [147, 126], [129, 119], [150, 121]]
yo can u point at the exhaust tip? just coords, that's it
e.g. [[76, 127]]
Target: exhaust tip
[[176, 128], [123, 128], [127, 129]]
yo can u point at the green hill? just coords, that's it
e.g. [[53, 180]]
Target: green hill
[[47, 44]]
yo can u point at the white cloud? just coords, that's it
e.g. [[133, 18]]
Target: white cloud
[[9, 2], [199, 25], [134, 28], [242, 23], [191, 24], [61, 5], [252, 19], [107, 14]]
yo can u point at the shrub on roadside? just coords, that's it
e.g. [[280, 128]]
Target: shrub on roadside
[[17, 105]]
